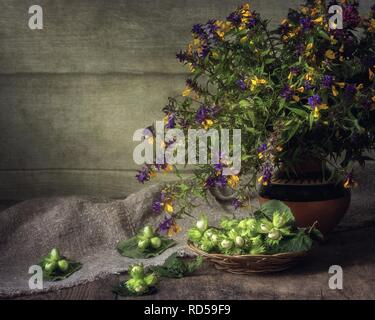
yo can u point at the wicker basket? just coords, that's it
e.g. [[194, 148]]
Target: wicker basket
[[249, 264]]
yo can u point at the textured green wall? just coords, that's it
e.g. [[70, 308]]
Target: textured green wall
[[72, 94]]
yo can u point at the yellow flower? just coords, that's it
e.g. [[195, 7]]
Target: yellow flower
[[175, 228], [334, 91], [186, 92], [330, 54], [208, 123], [191, 68], [301, 89], [296, 98], [323, 106], [243, 40], [316, 113], [359, 87], [372, 26], [318, 20], [168, 207], [256, 81], [233, 181], [168, 168], [341, 84], [262, 181], [309, 46], [260, 155], [279, 148], [304, 10]]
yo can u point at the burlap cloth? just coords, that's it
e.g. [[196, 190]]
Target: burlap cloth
[[87, 230]]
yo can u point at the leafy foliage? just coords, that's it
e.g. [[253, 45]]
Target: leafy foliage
[[177, 267]]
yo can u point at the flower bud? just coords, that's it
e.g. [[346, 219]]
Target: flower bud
[[240, 241], [143, 244], [55, 254], [202, 223], [150, 279], [156, 242], [63, 265], [136, 271], [148, 231]]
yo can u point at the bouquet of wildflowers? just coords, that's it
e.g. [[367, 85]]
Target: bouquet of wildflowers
[[302, 92]]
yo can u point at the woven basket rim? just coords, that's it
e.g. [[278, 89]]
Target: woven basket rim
[[224, 256]]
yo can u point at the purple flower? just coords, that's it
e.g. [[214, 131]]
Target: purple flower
[[198, 30], [171, 121], [218, 166], [157, 206], [262, 147], [287, 93], [143, 175], [306, 23], [221, 181], [350, 90], [165, 225], [210, 182], [236, 203], [252, 23], [182, 56], [267, 174], [315, 100], [234, 18], [327, 81], [308, 85], [241, 84], [300, 49], [295, 71], [351, 17], [205, 113], [216, 181], [204, 52]]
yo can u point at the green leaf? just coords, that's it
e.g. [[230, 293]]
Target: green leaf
[[123, 291], [129, 248], [299, 243], [300, 112], [270, 207], [177, 267]]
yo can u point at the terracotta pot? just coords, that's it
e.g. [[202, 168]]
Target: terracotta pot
[[327, 213], [310, 198]]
